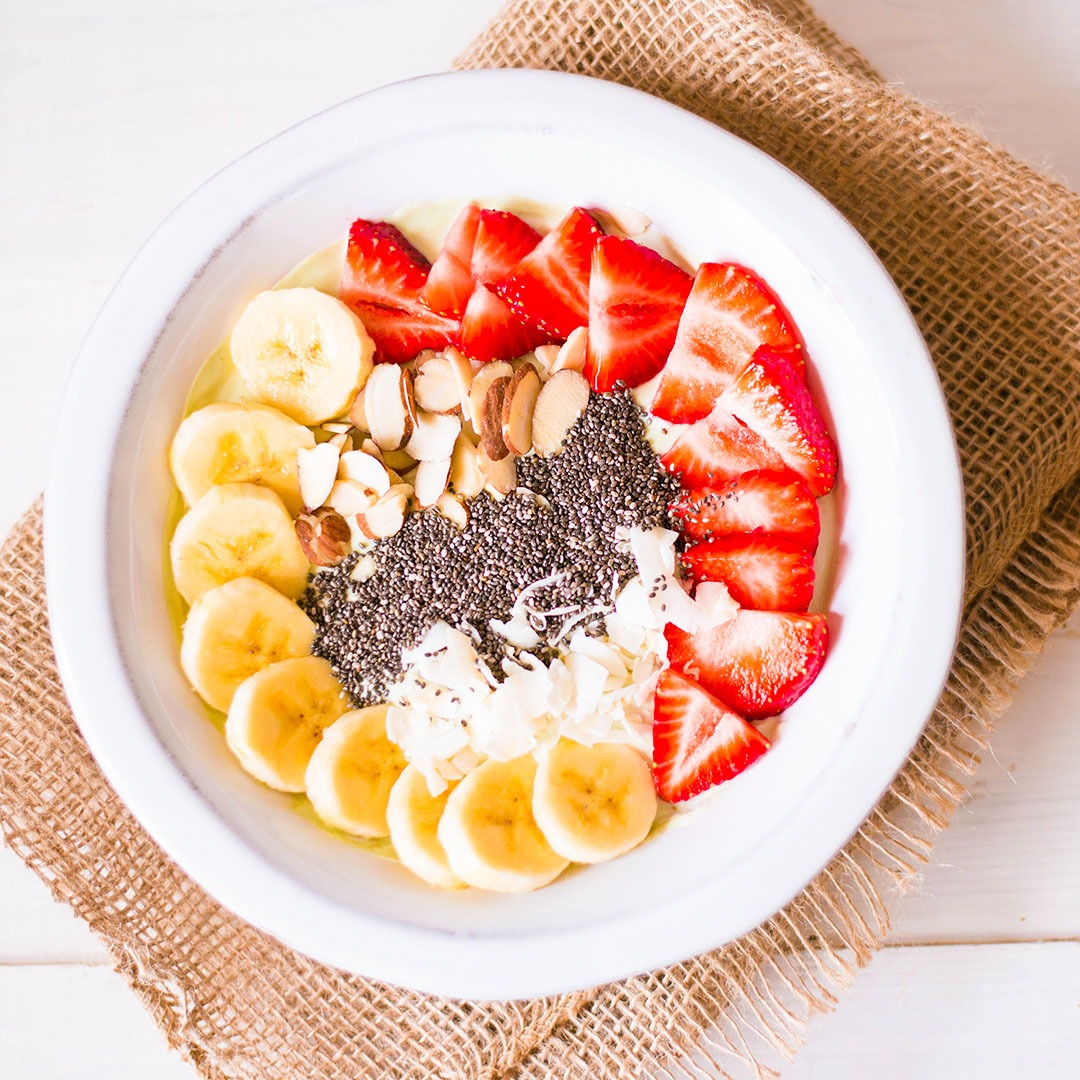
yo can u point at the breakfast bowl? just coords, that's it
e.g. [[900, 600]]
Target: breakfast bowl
[[892, 566]]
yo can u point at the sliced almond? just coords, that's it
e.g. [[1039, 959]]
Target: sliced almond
[[370, 446], [461, 369], [563, 398], [336, 428], [430, 481], [422, 357], [316, 469], [491, 430], [349, 498], [517, 409], [466, 478], [545, 357], [358, 410], [572, 354], [500, 475], [436, 387], [433, 437], [324, 536], [392, 459], [386, 516], [481, 380], [389, 409], [362, 467], [453, 509], [618, 218]]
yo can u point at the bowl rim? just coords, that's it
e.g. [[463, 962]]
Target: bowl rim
[[177, 816]]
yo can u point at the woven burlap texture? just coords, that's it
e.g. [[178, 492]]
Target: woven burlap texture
[[987, 254]]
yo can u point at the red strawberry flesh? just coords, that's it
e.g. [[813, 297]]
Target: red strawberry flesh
[[759, 662], [491, 331], [635, 299], [730, 313], [771, 398], [382, 281], [766, 572], [549, 288], [502, 241], [775, 503], [450, 280], [698, 742], [718, 449]]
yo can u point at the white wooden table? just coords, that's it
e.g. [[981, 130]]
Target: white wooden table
[[113, 111]]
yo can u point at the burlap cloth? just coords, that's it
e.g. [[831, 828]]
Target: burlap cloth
[[986, 252]]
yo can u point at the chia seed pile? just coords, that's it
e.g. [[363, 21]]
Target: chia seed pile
[[606, 478]]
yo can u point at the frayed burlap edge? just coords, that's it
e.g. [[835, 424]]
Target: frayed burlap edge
[[755, 994]]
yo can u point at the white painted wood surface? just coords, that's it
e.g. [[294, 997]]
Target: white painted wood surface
[[110, 113]]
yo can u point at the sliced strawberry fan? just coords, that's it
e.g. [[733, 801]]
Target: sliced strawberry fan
[[759, 662], [382, 281], [549, 288], [719, 449], [491, 331], [635, 299], [698, 742], [730, 313], [769, 573], [450, 281], [776, 503], [771, 398]]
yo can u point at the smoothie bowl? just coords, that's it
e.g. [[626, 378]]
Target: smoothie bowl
[[602, 429]]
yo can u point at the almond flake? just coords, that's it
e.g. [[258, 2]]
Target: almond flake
[[517, 409], [433, 437], [316, 469], [491, 426], [563, 398], [436, 386], [364, 469], [389, 408], [487, 374], [572, 354], [430, 481]]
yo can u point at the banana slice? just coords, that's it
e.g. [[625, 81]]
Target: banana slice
[[303, 351], [593, 802], [352, 771], [278, 716], [237, 530], [413, 815], [235, 630], [228, 443], [489, 833]]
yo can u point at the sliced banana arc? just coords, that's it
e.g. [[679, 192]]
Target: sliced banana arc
[[302, 351], [593, 802], [352, 772], [413, 815], [228, 443], [278, 716], [489, 833], [237, 530], [235, 630]]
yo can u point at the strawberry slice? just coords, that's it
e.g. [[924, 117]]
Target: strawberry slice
[[549, 288], [766, 572], [450, 281], [491, 331], [718, 449], [775, 503], [730, 313], [635, 299], [698, 742], [382, 280], [502, 241], [771, 398], [760, 662]]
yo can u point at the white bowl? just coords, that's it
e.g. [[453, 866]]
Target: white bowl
[[898, 577]]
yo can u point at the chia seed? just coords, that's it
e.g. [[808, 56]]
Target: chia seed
[[561, 522]]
